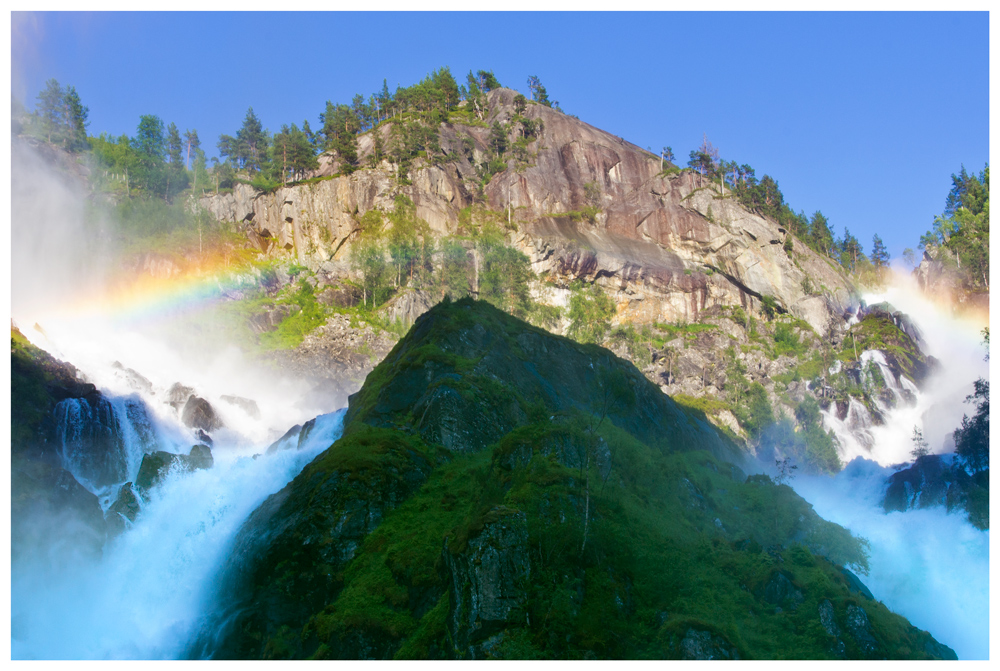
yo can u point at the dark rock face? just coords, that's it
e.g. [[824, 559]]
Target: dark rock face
[[94, 436], [123, 511], [860, 629], [828, 620], [930, 482], [701, 645], [249, 406], [780, 590], [487, 580], [91, 439], [923, 485], [54, 519], [199, 414]]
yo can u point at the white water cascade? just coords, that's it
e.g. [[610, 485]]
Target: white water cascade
[[936, 409], [930, 566], [143, 597]]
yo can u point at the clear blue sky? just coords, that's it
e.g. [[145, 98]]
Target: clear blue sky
[[863, 116]]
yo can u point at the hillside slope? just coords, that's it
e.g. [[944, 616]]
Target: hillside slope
[[501, 492]]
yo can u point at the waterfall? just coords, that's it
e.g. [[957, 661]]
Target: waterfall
[[928, 565], [142, 598], [102, 440]]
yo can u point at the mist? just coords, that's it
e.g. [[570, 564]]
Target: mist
[[142, 597]]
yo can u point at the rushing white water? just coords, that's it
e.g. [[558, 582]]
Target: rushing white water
[[930, 566], [927, 565], [937, 408], [141, 599]]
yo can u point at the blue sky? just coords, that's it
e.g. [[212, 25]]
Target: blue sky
[[863, 116]]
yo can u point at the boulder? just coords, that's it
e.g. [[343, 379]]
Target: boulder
[[199, 414], [156, 465], [779, 590], [133, 379], [123, 511], [701, 645], [200, 457], [828, 621], [860, 630]]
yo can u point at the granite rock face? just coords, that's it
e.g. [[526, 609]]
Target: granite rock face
[[665, 247]]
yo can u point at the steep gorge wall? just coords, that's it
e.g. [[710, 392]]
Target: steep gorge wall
[[664, 247]]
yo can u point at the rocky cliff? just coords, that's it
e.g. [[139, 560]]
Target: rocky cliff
[[664, 246]]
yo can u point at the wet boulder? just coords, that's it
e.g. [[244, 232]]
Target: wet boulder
[[200, 457], [199, 414], [133, 379], [123, 511], [156, 465], [90, 437]]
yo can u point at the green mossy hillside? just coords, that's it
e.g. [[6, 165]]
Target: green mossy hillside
[[500, 492]]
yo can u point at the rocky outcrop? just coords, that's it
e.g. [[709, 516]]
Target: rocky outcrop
[[97, 437], [488, 581], [932, 481], [54, 519], [467, 512], [703, 645]]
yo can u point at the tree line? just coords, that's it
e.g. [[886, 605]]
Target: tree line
[[764, 197], [960, 236]]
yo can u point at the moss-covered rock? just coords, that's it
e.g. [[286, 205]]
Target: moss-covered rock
[[500, 492]]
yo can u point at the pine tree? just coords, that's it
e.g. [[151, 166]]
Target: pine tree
[[76, 120], [251, 144], [538, 92], [879, 256], [192, 144], [49, 108]]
